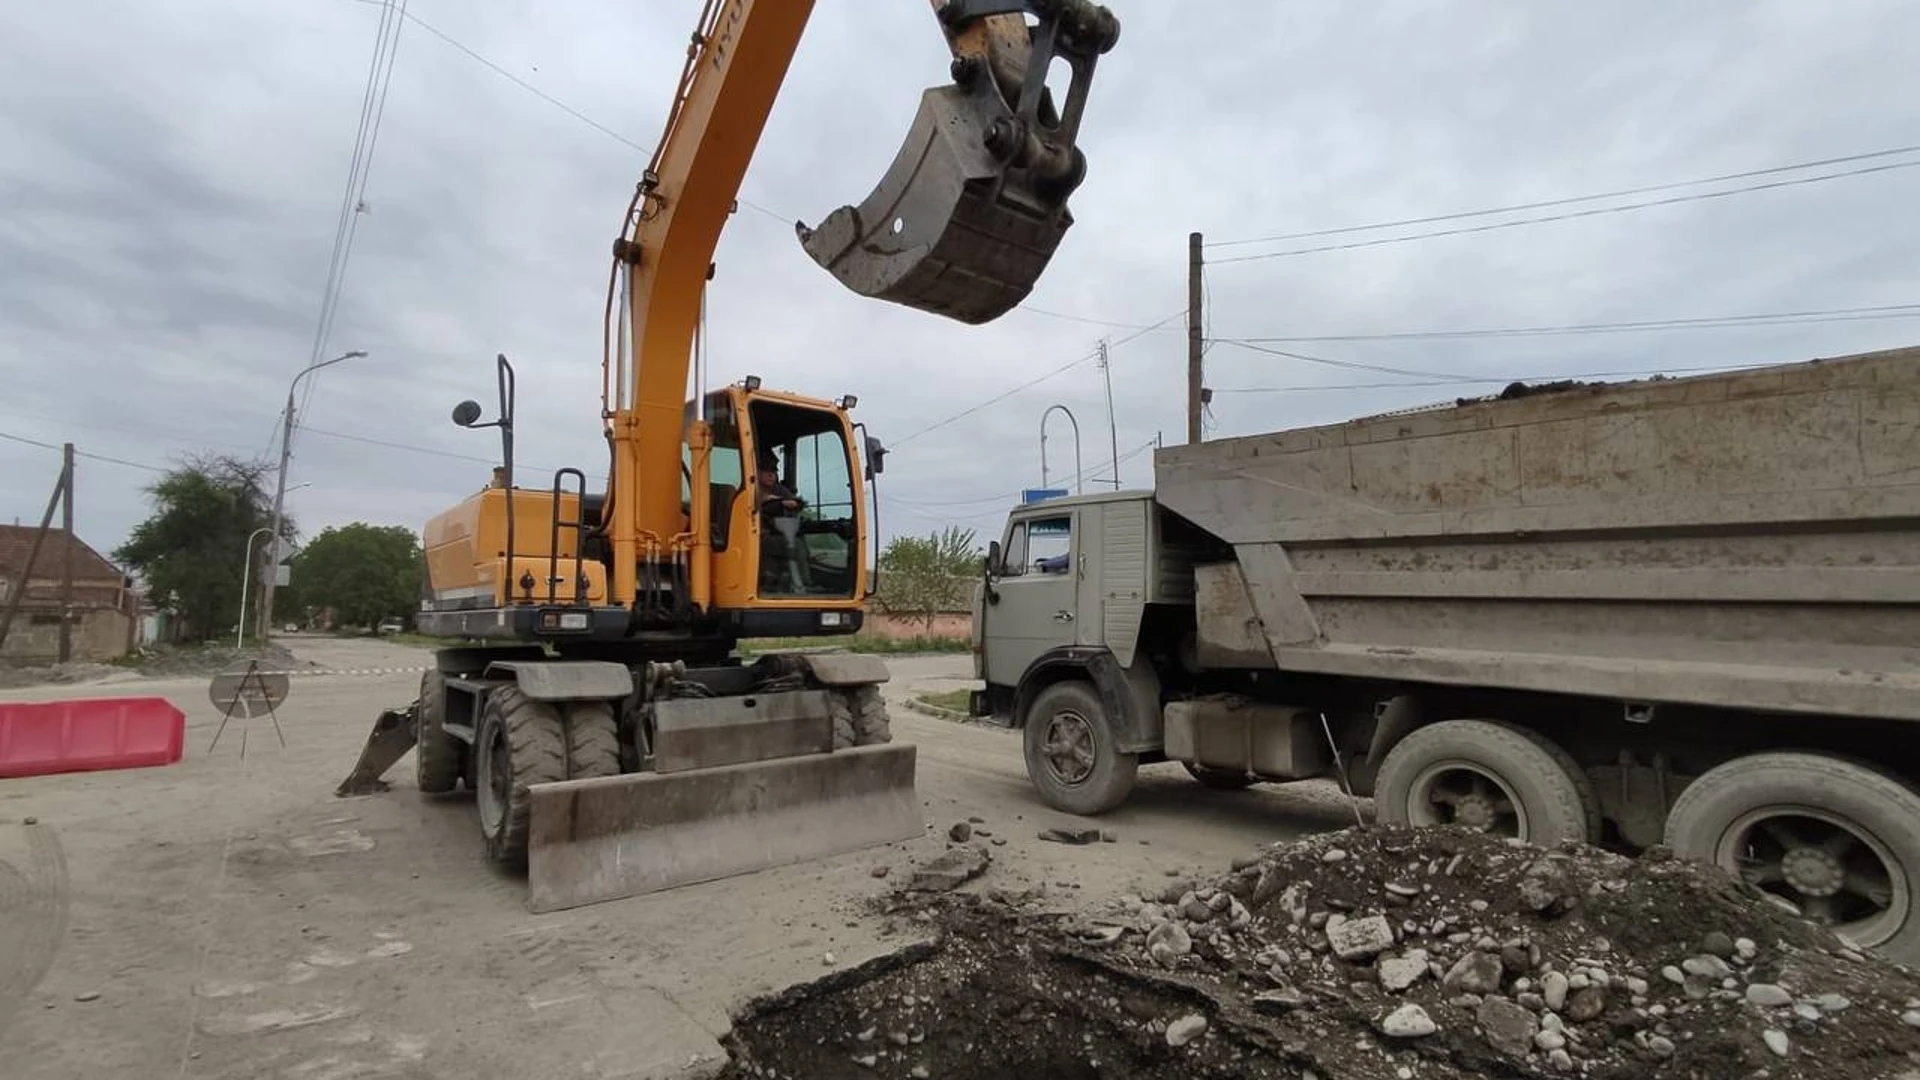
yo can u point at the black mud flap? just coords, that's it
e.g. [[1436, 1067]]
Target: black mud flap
[[974, 205], [393, 735]]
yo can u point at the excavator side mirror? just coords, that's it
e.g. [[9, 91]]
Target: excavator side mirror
[[467, 413], [876, 457]]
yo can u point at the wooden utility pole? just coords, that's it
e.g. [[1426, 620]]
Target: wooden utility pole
[[19, 592], [66, 555], [1194, 375]]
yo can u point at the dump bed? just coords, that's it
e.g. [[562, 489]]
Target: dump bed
[[1749, 539]]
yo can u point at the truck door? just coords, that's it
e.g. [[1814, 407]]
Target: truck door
[[1037, 607]]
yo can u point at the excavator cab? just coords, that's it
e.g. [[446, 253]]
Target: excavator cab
[[975, 203]]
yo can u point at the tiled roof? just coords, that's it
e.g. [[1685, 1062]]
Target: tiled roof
[[17, 540]]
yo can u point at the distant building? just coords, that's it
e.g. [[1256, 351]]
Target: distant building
[[104, 601]]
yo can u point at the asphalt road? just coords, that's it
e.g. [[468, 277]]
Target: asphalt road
[[227, 916]]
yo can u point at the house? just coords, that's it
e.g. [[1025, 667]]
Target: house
[[103, 600]]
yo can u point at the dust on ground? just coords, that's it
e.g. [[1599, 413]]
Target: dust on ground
[[1366, 953]]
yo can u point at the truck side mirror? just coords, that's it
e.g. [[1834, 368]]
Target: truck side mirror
[[992, 567]]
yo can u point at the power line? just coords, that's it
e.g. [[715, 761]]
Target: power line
[[80, 453], [1496, 380], [1351, 365], [1569, 200], [1030, 383], [1772, 318], [1595, 212]]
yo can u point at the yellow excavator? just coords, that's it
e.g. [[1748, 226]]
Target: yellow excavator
[[592, 694]]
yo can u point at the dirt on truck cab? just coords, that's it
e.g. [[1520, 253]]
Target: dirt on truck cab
[[1676, 611]]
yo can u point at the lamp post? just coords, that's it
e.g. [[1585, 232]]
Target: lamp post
[[246, 581], [280, 483], [1078, 471]]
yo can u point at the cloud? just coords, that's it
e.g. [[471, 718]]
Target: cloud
[[172, 175]]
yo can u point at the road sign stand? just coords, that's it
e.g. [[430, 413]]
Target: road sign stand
[[266, 697]]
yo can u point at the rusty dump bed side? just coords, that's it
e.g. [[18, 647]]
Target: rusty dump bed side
[[1749, 539]]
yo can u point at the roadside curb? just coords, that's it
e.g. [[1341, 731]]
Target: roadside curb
[[955, 715]]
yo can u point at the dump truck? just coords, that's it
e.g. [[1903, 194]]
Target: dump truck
[[1676, 610], [591, 692]]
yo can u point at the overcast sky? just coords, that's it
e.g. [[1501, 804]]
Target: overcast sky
[[171, 174]]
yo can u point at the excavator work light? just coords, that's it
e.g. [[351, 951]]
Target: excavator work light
[[847, 403], [751, 382]]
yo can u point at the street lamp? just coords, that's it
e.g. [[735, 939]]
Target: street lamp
[[246, 572], [246, 580], [280, 484], [1078, 471]]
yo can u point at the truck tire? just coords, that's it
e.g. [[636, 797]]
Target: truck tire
[[593, 740], [1834, 837], [437, 756], [1071, 754], [1219, 779], [1490, 776], [521, 742]]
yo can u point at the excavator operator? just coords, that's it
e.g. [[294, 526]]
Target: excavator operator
[[777, 502]]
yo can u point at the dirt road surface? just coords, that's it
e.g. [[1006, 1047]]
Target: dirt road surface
[[227, 916]]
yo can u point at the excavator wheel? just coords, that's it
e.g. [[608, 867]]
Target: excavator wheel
[[859, 717], [521, 742], [593, 740], [437, 756]]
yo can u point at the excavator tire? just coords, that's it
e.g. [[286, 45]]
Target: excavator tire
[[521, 742], [871, 725], [840, 706], [436, 754], [593, 740]]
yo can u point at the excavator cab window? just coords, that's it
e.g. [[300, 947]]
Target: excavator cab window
[[808, 516], [726, 476]]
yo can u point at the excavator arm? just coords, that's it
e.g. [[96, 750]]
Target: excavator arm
[[962, 225]]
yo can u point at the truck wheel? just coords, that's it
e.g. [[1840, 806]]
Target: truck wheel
[[593, 740], [1835, 838], [437, 763], [1219, 779], [521, 742], [1070, 751], [1488, 776]]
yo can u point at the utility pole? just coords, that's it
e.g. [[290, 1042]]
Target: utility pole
[[1113, 433], [1195, 391], [66, 554], [19, 591]]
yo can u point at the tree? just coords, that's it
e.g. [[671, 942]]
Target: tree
[[193, 551], [362, 573], [928, 575]]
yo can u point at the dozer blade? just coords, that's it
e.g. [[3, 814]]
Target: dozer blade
[[617, 836], [393, 735], [951, 229]]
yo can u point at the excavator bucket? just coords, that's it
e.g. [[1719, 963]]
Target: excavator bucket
[[617, 836], [944, 232], [975, 203]]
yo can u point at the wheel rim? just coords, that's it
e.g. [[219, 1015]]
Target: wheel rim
[[1068, 748], [1466, 795], [1832, 870], [495, 774]]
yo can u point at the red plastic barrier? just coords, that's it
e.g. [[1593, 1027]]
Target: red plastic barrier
[[40, 737]]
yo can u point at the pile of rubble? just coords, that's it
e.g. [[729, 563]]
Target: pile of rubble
[[1366, 954], [1440, 953]]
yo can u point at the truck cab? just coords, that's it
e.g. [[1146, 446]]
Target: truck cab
[[1085, 605]]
